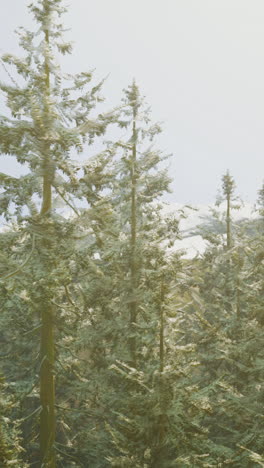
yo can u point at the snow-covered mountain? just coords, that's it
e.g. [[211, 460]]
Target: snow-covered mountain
[[195, 216]]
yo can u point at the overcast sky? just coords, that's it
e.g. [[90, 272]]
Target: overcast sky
[[200, 64]]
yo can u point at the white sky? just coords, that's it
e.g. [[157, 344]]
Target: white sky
[[200, 64]]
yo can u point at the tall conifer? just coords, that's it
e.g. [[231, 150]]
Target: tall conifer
[[46, 121]]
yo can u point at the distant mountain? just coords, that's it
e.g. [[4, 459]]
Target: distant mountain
[[210, 218]]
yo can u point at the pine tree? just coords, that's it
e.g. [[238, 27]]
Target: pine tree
[[46, 122], [261, 200], [145, 399], [228, 187], [228, 338], [121, 193]]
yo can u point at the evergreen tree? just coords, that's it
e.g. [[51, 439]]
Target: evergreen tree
[[46, 122], [228, 187], [145, 398], [229, 339], [158, 360], [261, 200]]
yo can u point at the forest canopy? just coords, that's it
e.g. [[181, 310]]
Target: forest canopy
[[117, 350]]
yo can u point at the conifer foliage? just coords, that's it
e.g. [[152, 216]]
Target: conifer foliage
[[46, 122], [116, 351]]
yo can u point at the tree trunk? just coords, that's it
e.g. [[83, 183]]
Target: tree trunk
[[159, 452], [47, 380], [47, 389], [161, 350], [133, 265], [228, 222]]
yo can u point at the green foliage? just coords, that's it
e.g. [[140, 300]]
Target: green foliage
[[10, 434], [158, 360]]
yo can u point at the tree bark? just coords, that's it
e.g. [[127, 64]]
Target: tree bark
[[133, 265], [47, 389], [47, 380]]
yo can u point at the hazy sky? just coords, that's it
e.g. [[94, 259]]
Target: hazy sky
[[200, 64]]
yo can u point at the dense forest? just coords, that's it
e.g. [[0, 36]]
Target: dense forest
[[116, 349]]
